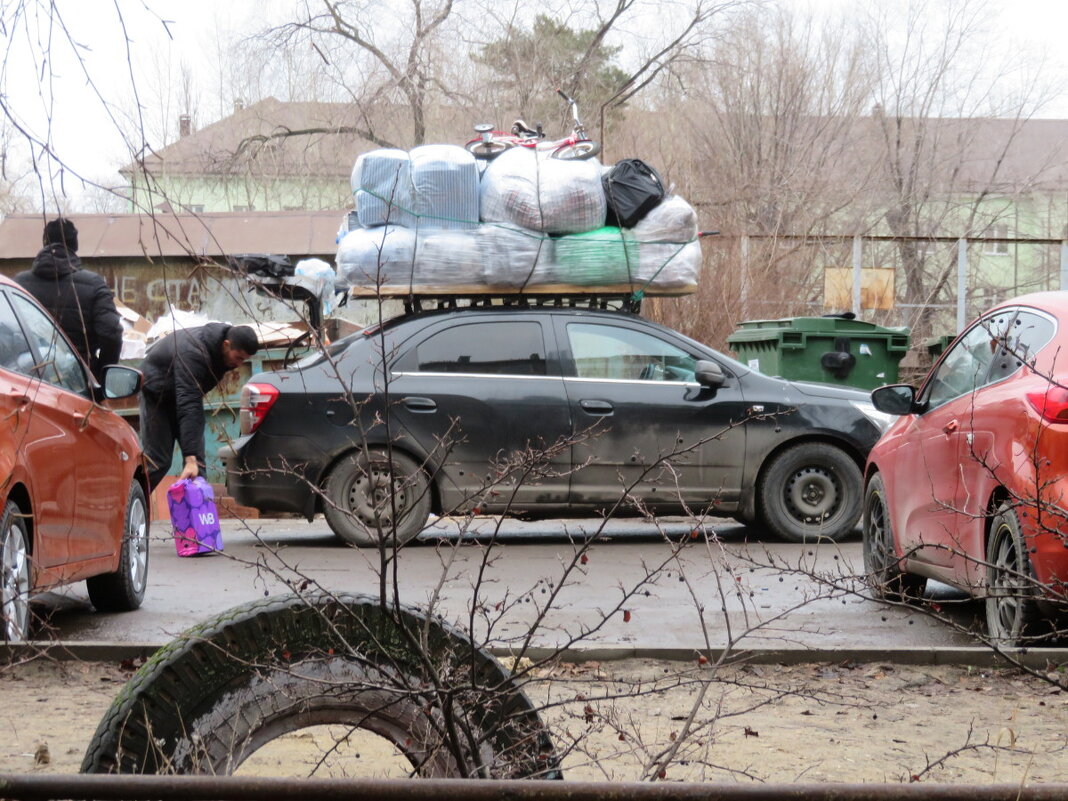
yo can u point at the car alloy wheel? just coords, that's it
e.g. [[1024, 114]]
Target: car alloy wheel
[[1011, 610], [15, 582], [882, 566]]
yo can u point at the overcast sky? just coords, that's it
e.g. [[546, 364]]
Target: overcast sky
[[87, 139]]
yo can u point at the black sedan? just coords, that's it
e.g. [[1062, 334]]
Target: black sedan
[[545, 411]]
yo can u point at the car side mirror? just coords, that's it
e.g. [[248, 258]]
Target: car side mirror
[[709, 374], [896, 399], [121, 381]]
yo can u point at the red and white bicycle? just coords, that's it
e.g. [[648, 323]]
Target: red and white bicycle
[[491, 143]]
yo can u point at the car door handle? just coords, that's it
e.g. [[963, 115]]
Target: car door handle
[[420, 405], [950, 427], [596, 407]]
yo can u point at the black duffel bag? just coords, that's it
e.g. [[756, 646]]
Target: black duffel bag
[[267, 265], [632, 189]]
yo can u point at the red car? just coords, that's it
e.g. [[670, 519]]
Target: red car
[[969, 486], [72, 475]]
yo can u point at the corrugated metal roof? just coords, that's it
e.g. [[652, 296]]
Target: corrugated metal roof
[[102, 236]]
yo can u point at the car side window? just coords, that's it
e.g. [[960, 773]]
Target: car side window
[[607, 351], [15, 352], [499, 348], [1025, 337], [55, 360], [966, 365]]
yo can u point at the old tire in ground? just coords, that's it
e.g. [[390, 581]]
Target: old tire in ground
[[373, 496], [124, 590], [810, 492], [882, 565], [211, 698]]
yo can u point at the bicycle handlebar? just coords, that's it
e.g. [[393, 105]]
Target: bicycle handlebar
[[563, 94]]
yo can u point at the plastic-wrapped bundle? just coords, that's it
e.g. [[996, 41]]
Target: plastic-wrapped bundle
[[668, 252], [597, 258], [381, 256], [447, 258], [674, 220], [533, 190], [514, 257], [382, 186], [445, 186], [669, 265]]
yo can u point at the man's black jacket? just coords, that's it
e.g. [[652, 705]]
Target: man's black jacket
[[180, 370], [81, 303]]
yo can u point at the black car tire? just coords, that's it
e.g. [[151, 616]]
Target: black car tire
[[1012, 612], [882, 565], [213, 697], [359, 508], [15, 579], [124, 590], [810, 491]]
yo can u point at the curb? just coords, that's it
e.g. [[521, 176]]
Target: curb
[[1035, 658]]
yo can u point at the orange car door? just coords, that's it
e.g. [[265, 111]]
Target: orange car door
[[41, 437]]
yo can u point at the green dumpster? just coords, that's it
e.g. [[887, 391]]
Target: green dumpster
[[828, 350], [936, 345]]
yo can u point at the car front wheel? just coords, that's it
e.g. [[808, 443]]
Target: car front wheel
[[374, 497], [882, 566], [15, 581], [124, 590], [1011, 610], [810, 491]]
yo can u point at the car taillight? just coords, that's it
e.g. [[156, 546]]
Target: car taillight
[[256, 401], [1051, 404]]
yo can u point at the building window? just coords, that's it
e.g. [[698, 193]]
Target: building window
[[997, 231], [243, 208], [195, 208]]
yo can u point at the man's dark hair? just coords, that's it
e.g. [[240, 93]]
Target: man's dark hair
[[243, 338], [61, 231]]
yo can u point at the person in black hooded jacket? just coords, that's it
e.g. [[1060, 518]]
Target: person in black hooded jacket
[[179, 371], [78, 299]]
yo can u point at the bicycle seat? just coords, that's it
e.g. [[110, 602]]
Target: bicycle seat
[[520, 128]]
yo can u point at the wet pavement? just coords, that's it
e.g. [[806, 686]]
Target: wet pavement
[[660, 590]]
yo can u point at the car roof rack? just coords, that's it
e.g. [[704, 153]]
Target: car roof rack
[[611, 301]]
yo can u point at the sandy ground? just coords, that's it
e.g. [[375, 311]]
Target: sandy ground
[[811, 723]]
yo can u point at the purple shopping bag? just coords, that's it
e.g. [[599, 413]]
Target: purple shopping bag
[[194, 518]]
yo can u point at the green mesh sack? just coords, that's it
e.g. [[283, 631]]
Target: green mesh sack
[[600, 257]]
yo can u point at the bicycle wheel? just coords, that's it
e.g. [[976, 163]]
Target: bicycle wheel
[[487, 150], [578, 151]]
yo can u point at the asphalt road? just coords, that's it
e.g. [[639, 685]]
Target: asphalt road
[[659, 591]]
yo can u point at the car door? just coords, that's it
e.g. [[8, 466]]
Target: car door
[[79, 468], [1025, 333], [930, 485], [484, 401], [43, 439], [642, 423]]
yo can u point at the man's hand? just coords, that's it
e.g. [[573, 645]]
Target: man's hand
[[189, 468]]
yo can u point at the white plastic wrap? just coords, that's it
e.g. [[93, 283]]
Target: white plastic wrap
[[324, 276], [668, 251], [535, 191], [669, 265], [382, 187], [673, 220], [447, 258], [445, 187], [514, 257], [382, 256]]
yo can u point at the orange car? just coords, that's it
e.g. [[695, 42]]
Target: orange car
[[72, 475]]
